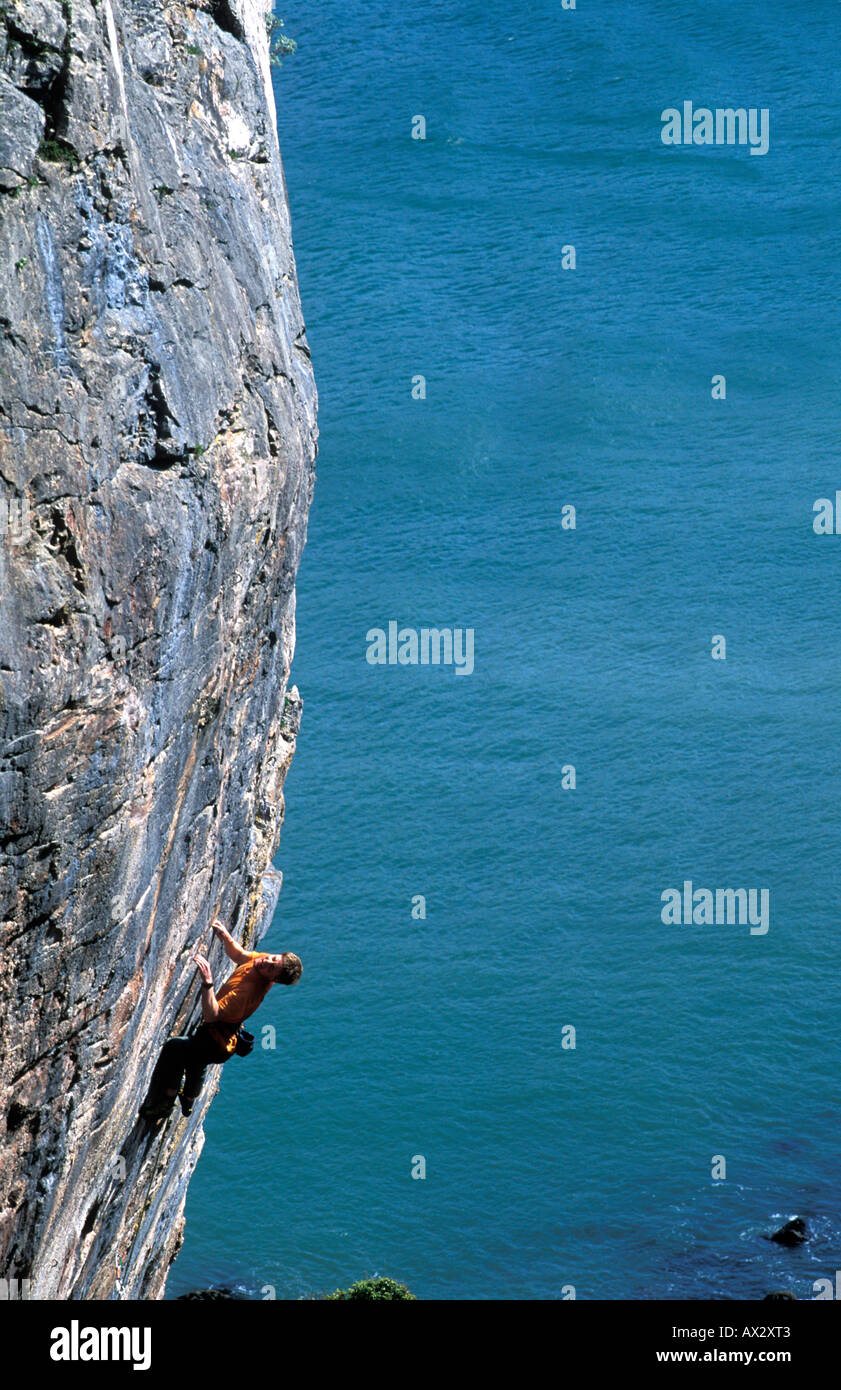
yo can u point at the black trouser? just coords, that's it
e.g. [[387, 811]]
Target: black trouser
[[186, 1058]]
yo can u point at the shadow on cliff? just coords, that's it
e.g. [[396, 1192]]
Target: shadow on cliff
[[143, 1158], [138, 1174]]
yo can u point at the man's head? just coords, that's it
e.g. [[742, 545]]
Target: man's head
[[285, 969]]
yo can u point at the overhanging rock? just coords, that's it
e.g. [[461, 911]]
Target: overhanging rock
[[157, 446]]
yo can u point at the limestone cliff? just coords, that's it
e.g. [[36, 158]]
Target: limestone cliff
[[157, 442]]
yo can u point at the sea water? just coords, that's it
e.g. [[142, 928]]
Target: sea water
[[606, 1104]]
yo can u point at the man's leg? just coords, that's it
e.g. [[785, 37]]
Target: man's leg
[[166, 1078], [202, 1052]]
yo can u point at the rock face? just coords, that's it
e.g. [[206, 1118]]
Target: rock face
[[157, 443]]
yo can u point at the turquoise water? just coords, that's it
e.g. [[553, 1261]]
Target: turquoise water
[[546, 1166]]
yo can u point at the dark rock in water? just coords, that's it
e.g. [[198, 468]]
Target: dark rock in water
[[794, 1232], [157, 441], [780, 1296], [217, 1294]]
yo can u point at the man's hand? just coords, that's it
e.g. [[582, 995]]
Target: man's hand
[[204, 968], [232, 950], [209, 1003]]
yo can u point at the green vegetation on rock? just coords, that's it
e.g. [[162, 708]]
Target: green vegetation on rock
[[58, 151], [280, 45], [371, 1289]]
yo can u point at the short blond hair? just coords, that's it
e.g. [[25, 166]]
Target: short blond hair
[[291, 970]]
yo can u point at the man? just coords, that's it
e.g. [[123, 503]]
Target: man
[[215, 1039]]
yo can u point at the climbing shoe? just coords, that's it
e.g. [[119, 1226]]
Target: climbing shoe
[[159, 1109], [187, 1103]]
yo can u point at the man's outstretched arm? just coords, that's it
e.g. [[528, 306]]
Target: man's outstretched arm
[[209, 1003], [232, 950]]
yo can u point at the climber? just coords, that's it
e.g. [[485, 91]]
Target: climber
[[216, 1038]]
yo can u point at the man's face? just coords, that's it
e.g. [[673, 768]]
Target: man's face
[[269, 966]]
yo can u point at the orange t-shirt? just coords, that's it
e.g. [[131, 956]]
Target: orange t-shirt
[[239, 996]]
